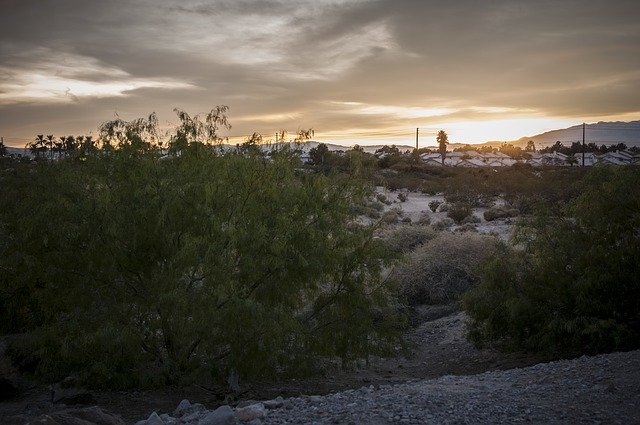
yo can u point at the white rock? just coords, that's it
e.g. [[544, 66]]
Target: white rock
[[154, 419], [249, 413], [276, 403], [223, 415], [182, 408]]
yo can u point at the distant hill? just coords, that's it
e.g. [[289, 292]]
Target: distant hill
[[602, 133]]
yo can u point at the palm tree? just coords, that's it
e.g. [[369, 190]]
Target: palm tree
[[443, 141], [37, 146], [69, 144], [59, 146], [49, 145]]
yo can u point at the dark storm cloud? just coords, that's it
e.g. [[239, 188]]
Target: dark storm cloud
[[284, 63]]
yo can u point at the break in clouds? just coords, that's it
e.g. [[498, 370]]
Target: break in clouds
[[337, 66]]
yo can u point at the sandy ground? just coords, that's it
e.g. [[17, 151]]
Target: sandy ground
[[417, 204]]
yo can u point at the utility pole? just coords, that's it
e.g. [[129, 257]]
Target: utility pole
[[583, 128], [417, 130]]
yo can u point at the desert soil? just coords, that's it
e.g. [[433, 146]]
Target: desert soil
[[439, 347]]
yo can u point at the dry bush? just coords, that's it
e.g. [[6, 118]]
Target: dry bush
[[459, 212], [406, 238], [443, 224], [424, 219], [391, 217], [433, 205], [443, 268], [472, 219]]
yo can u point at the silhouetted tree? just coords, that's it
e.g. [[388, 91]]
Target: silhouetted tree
[[531, 146], [443, 141], [319, 154]]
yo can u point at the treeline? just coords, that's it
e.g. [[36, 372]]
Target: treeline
[[577, 147]]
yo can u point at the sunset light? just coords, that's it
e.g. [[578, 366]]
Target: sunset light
[[357, 72]]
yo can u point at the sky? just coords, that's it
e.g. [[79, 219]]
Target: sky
[[356, 71]]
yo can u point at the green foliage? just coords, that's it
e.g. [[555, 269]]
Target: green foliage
[[127, 269], [576, 286], [458, 212], [500, 212], [442, 268]]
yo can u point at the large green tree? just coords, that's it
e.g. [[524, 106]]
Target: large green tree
[[575, 286], [127, 269]]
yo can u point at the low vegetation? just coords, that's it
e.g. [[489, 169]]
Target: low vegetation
[[444, 267]]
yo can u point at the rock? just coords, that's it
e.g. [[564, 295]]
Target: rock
[[193, 409], [315, 399], [71, 396], [168, 420], [223, 415], [249, 413], [276, 403], [153, 419], [8, 389], [185, 408], [245, 403], [182, 408], [193, 417]]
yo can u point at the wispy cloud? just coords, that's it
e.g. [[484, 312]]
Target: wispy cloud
[[334, 65], [47, 76]]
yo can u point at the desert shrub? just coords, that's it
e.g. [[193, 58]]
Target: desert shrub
[[383, 199], [575, 288], [433, 205], [467, 196], [467, 227], [367, 207], [402, 197], [443, 224], [459, 212], [125, 270], [500, 212], [442, 268], [390, 217], [471, 219], [424, 219], [403, 239]]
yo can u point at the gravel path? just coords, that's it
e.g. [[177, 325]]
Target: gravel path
[[601, 389]]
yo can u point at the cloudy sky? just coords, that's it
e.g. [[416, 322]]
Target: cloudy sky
[[356, 71]]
